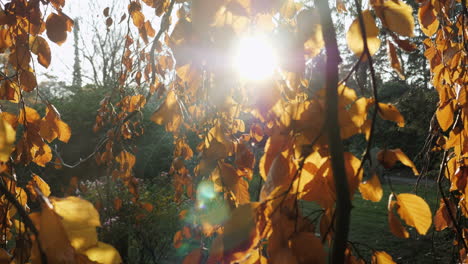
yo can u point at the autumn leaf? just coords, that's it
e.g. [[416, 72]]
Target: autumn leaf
[[391, 113], [415, 211], [193, 257], [354, 35], [427, 17], [57, 26], [38, 182], [168, 113], [394, 61], [397, 16], [394, 223], [381, 257], [371, 189], [388, 158], [240, 233], [103, 253], [442, 219], [7, 140], [52, 126], [308, 248], [40, 47], [445, 115]]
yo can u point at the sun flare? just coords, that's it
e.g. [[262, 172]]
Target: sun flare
[[255, 58]]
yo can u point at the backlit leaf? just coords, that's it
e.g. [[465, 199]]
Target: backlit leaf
[[371, 189], [381, 257], [40, 47], [442, 217], [7, 140], [445, 115], [397, 16], [428, 18], [103, 253], [394, 61], [354, 35], [415, 211], [391, 113], [38, 182], [308, 248]]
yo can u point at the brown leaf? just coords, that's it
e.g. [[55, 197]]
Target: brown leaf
[[40, 47], [57, 26], [442, 217], [193, 257], [388, 158], [106, 11], [427, 17], [395, 224], [394, 61], [308, 248]]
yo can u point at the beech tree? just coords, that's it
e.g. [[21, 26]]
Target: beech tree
[[185, 60]]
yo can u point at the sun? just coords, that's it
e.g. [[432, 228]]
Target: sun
[[255, 58]]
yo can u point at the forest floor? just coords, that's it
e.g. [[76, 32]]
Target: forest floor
[[370, 230]]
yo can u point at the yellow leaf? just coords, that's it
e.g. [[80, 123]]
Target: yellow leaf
[[168, 113], [104, 253], [354, 35], [53, 238], [38, 182], [395, 224], [372, 189], [80, 219], [397, 16], [7, 139], [388, 158], [415, 211], [444, 115], [389, 112], [381, 257]]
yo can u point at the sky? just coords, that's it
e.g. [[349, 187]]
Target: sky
[[87, 11]]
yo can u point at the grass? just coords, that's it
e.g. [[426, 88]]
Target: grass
[[369, 229]]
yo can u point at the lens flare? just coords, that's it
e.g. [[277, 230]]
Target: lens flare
[[255, 58]]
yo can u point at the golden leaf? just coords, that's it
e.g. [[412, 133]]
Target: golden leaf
[[415, 211], [310, 31], [354, 35], [80, 219], [168, 113], [388, 158], [397, 16], [381, 257], [7, 140], [428, 18], [444, 115], [372, 189], [391, 113], [103, 253], [38, 182]]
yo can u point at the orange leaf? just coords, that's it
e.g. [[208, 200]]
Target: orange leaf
[[308, 248], [372, 189], [397, 16], [381, 257], [388, 158], [394, 61], [40, 47], [415, 211], [445, 115], [389, 112], [428, 18], [442, 218]]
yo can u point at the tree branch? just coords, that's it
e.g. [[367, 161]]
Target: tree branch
[[343, 202]]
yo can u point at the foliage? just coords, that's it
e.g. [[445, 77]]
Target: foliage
[[218, 119]]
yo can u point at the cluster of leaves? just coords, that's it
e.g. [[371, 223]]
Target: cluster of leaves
[[205, 97], [299, 130]]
